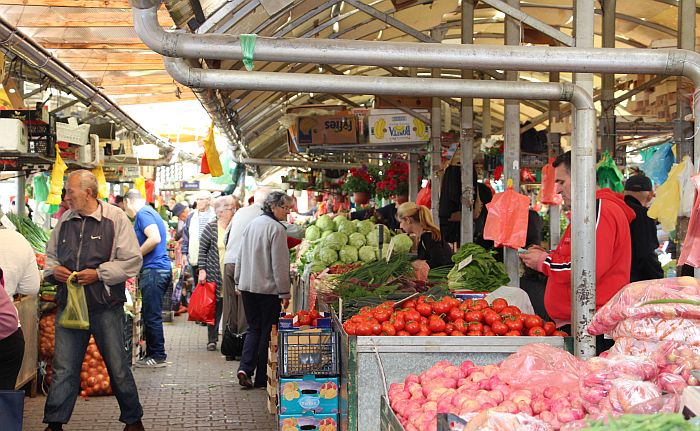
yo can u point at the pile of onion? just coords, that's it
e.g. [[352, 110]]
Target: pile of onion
[[47, 335], [94, 380]]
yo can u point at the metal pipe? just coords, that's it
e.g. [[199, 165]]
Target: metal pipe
[[413, 185], [607, 99], [298, 163], [554, 210], [435, 143], [466, 136]]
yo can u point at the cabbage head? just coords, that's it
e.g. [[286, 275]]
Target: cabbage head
[[325, 223], [312, 233], [367, 253], [365, 227], [356, 223], [357, 239], [348, 254], [325, 233], [402, 243], [338, 220], [347, 228], [335, 240], [328, 255], [373, 239]]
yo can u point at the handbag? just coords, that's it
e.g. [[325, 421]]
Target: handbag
[[11, 410], [232, 343]]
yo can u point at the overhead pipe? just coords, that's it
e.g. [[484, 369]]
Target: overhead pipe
[[31, 52], [298, 163]]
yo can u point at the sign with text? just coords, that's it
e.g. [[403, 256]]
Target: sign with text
[[395, 126], [327, 130], [189, 185]]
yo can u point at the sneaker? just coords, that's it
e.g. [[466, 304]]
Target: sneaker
[[136, 426], [150, 363], [211, 347], [244, 379]]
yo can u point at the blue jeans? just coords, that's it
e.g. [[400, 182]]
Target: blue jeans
[[107, 326], [261, 312], [154, 283]]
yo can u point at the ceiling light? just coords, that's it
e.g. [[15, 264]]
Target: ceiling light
[[336, 27], [499, 15]]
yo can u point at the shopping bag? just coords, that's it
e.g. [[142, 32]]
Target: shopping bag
[[668, 200], [56, 182], [608, 175], [506, 222], [687, 188], [102, 186], [424, 196], [549, 195], [11, 410], [232, 343], [658, 166], [690, 253], [202, 306], [75, 315]]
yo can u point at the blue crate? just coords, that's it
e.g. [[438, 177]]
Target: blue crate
[[308, 394]]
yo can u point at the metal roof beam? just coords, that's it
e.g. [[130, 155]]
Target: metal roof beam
[[390, 20], [531, 21]]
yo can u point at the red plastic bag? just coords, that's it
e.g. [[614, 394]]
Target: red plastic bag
[[423, 197], [202, 306], [690, 253], [539, 366], [506, 222], [549, 194]]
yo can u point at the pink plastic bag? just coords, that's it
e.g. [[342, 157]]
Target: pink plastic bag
[[506, 222], [498, 421], [541, 365], [659, 329], [630, 302], [690, 253], [548, 195]]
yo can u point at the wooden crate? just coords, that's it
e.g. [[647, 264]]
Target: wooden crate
[[272, 404], [29, 319]]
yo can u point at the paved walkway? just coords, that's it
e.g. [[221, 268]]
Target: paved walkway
[[197, 391]]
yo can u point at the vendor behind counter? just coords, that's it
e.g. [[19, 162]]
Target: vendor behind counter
[[417, 220]]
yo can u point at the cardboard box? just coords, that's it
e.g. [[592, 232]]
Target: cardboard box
[[405, 101], [338, 129], [322, 422], [395, 126], [309, 394]]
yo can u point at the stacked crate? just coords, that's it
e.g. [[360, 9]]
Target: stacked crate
[[272, 376], [659, 101], [308, 368]]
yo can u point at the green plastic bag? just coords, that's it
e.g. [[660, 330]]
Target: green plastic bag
[[75, 315], [41, 188], [609, 176]]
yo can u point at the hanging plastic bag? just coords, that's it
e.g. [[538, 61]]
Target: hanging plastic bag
[[56, 187], [687, 188], [212, 154], [202, 304], [102, 188], [608, 175], [658, 166], [690, 252], [424, 196], [75, 315], [549, 193], [668, 200], [140, 185], [506, 222]]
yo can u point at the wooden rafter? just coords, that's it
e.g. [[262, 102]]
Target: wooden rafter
[[102, 58], [93, 45], [140, 100], [96, 20], [144, 89], [96, 67], [114, 80], [113, 4]]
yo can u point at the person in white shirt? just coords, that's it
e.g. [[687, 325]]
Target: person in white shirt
[[18, 262]]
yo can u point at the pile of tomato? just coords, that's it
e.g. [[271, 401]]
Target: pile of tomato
[[448, 317], [304, 318]]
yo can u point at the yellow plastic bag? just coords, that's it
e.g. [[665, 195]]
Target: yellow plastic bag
[[75, 315], [668, 200], [140, 185], [56, 183], [212, 154], [102, 188]]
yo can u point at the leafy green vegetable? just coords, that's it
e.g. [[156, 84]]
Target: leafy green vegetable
[[483, 274], [325, 223], [328, 255], [335, 240], [654, 422], [357, 239], [312, 233], [348, 254], [325, 233], [347, 228], [367, 253], [365, 227], [373, 236], [379, 272], [402, 243], [35, 235], [338, 220]]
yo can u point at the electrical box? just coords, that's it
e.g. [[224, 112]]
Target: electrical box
[[13, 135]]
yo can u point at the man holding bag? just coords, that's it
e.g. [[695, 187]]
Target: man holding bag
[[96, 241]]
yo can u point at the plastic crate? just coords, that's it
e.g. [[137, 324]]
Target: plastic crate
[[308, 352], [73, 134], [308, 394]]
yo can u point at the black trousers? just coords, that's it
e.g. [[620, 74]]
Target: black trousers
[[261, 312], [11, 354], [601, 343]]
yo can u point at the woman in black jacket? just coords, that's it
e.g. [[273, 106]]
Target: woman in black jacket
[[416, 220]]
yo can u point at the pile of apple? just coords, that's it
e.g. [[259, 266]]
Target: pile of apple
[[468, 388], [448, 316]]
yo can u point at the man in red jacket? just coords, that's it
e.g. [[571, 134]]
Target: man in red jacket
[[613, 250]]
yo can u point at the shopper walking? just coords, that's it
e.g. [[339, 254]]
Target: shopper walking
[[11, 340], [262, 276], [645, 262], [212, 247], [96, 241], [233, 312], [192, 232], [155, 276]]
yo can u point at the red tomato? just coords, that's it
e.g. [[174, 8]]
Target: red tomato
[[398, 323], [412, 327], [491, 318], [314, 314], [456, 333], [532, 321], [388, 329], [455, 314], [411, 315], [509, 311], [473, 316], [304, 319], [425, 328], [450, 327], [549, 328], [423, 333], [440, 307], [364, 329], [376, 328], [514, 324], [480, 304], [559, 334], [350, 328], [515, 309], [464, 306], [475, 327], [499, 328], [438, 334], [513, 334], [424, 309], [411, 303], [314, 322], [499, 304], [536, 331], [403, 333], [423, 320], [489, 333], [474, 334], [436, 324], [381, 314], [364, 310], [460, 325]]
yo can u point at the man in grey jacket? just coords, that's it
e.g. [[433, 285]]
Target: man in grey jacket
[[262, 276], [96, 245]]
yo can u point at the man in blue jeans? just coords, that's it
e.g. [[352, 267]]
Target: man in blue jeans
[[95, 243], [156, 275]]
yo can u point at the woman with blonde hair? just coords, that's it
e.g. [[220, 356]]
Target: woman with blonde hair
[[416, 220]]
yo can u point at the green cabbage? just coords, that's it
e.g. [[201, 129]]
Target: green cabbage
[[356, 223], [402, 243], [312, 233], [348, 254], [373, 238], [367, 253], [325, 223], [328, 255], [365, 227], [338, 220], [357, 239], [347, 228], [325, 233], [335, 240]]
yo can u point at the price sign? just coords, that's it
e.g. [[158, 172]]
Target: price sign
[[464, 263], [390, 250]]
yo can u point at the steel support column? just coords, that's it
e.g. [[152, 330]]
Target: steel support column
[[583, 215], [608, 134], [554, 210], [511, 156], [413, 168], [435, 147], [686, 40], [467, 133], [21, 182]]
